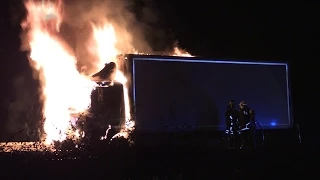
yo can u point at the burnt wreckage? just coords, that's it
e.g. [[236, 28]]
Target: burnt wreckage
[[107, 114]]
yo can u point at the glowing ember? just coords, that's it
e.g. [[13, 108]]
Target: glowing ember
[[106, 136], [23, 146]]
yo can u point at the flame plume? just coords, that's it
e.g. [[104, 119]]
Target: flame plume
[[65, 92], [104, 47]]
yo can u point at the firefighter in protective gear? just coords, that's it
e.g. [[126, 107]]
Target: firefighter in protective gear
[[231, 116], [247, 125]]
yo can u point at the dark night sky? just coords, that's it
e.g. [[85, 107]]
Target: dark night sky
[[263, 30]]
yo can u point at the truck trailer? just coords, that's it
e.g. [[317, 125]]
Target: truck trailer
[[170, 94]]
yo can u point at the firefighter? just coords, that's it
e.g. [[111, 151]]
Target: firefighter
[[247, 125], [231, 116]]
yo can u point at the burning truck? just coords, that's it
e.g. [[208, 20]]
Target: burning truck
[[175, 96], [175, 99], [150, 94], [106, 115]]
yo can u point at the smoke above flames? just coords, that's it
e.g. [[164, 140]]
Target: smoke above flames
[[83, 18], [130, 25], [70, 39]]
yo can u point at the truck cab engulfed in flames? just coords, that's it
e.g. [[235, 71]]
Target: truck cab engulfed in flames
[[106, 114]]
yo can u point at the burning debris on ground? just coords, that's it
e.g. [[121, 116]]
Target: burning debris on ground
[[23, 146]]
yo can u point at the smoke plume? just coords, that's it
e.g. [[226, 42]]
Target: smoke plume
[[77, 30], [139, 26]]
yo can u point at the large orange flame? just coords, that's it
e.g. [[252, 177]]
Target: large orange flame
[[65, 91], [104, 47]]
